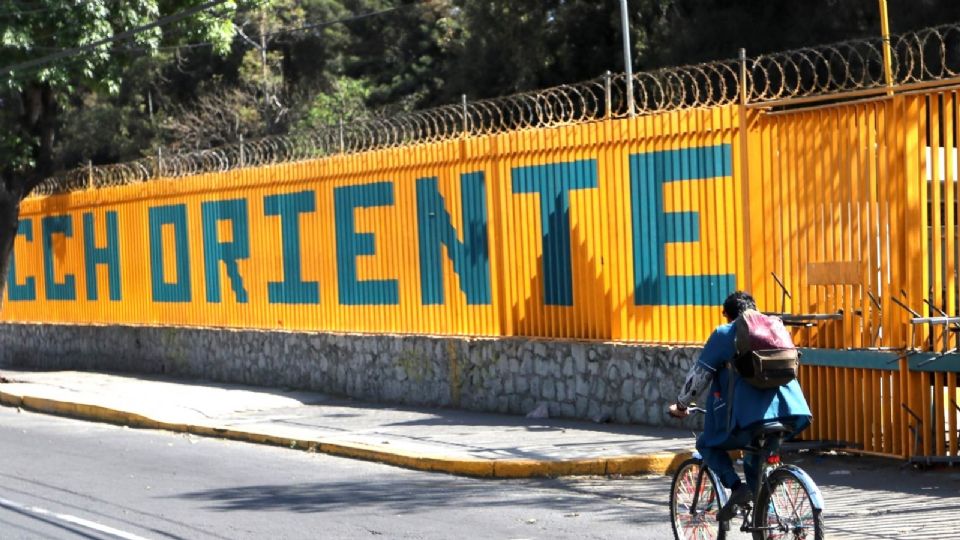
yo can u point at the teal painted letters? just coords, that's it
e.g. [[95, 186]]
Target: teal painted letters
[[174, 216], [554, 182], [470, 259], [292, 290], [351, 244], [67, 290], [653, 228], [28, 290], [215, 251], [108, 255]]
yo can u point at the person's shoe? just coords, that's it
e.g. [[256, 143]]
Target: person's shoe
[[739, 497]]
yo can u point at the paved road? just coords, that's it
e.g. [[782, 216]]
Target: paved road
[[62, 478]]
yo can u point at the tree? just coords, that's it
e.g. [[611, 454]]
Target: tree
[[694, 31], [48, 59], [510, 46], [404, 50]]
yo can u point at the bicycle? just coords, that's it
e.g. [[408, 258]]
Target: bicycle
[[791, 501]]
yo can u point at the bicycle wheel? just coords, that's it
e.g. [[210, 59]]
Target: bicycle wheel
[[700, 523], [787, 511]]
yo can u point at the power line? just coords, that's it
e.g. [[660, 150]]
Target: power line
[[116, 37]]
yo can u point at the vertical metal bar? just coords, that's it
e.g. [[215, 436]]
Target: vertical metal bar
[[90, 184], [826, 404], [885, 30], [888, 385], [743, 133], [900, 433], [618, 196], [835, 403], [934, 183], [701, 196], [916, 210], [463, 107], [816, 239], [858, 218], [794, 222], [874, 429], [884, 220], [773, 212], [850, 224], [498, 190], [952, 403], [627, 60], [925, 236], [850, 406], [938, 410], [607, 94], [924, 382], [571, 318], [833, 226], [866, 416], [859, 379], [864, 174], [529, 289], [951, 124]]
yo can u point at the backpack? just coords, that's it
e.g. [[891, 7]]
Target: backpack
[[765, 354]]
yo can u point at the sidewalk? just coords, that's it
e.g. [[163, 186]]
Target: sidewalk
[[447, 440]]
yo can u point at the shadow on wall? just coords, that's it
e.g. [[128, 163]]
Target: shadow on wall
[[585, 302]]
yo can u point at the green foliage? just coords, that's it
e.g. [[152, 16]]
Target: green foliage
[[295, 65], [35, 96], [104, 130], [347, 102]]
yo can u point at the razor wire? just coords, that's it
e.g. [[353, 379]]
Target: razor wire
[[930, 54]]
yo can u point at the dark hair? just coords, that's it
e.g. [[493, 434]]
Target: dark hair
[[737, 303]]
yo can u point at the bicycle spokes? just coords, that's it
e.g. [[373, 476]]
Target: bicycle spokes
[[699, 522], [790, 513]]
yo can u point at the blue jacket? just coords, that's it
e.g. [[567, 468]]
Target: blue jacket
[[751, 405]]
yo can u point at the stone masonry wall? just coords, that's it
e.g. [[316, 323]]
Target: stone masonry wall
[[623, 383]]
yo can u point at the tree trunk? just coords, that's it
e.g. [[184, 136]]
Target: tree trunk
[[38, 121]]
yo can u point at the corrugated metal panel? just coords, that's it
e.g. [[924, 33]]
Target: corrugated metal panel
[[832, 219], [327, 245], [676, 225]]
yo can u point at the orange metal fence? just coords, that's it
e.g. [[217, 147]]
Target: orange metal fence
[[844, 218], [831, 225], [874, 240], [610, 229]]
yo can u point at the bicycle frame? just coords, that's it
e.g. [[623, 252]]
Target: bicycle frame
[[766, 448]]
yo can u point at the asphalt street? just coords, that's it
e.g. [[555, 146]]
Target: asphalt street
[[64, 478]]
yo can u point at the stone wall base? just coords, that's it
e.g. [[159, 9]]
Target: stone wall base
[[617, 382]]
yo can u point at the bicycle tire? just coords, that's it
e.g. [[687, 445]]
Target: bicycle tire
[[790, 502], [703, 524]]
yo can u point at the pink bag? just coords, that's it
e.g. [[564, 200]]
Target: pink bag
[[766, 356]]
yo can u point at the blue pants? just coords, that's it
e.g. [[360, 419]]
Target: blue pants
[[718, 459]]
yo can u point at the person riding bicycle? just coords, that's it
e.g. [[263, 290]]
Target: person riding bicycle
[[752, 407]]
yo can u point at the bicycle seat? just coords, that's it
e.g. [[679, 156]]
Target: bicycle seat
[[763, 432], [771, 428]]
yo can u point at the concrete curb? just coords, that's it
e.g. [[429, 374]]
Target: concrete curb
[[653, 463]]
